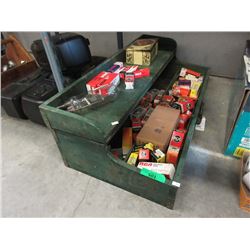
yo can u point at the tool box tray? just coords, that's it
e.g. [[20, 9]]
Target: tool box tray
[[84, 140]]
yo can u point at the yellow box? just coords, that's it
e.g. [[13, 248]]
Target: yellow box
[[142, 51], [132, 160]]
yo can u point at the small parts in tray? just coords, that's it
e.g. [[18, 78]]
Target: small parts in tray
[[150, 157], [137, 117], [188, 83], [158, 133], [101, 90], [102, 87]]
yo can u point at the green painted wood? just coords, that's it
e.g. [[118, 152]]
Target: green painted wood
[[96, 125], [94, 159], [192, 123], [79, 139]]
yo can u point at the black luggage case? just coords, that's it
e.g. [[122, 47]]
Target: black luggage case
[[11, 95], [36, 95]]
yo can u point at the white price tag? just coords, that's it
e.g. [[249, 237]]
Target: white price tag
[[114, 123], [177, 184]]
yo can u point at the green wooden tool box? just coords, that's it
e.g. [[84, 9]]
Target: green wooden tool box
[[84, 139]]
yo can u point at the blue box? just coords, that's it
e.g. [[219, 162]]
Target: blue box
[[240, 137]]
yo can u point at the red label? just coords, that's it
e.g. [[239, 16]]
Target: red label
[[144, 154], [177, 139], [194, 73]]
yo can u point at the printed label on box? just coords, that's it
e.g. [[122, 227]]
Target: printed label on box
[[153, 175]]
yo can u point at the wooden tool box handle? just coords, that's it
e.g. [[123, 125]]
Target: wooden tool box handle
[[6, 41], [15, 50]]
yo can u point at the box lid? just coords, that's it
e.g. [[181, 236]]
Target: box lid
[[143, 44]]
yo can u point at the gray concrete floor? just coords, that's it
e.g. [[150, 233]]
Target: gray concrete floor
[[35, 182]]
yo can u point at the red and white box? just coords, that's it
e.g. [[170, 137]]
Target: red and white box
[[182, 90], [177, 138], [175, 146], [142, 73], [129, 80], [184, 104], [185, 72], [167, 169], [103, 84], [138, 73], [192, 72], [183, 121]]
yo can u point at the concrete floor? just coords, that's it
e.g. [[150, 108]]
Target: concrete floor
[[35, 182]]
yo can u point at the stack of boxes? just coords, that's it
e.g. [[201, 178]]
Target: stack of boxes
[[160, 123]]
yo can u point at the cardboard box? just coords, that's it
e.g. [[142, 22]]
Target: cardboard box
[[142, 52], [144, 154], [168, 98], [162, 168], [184, 118], [175, 146], [137, 117], [195, 89], [244, 192], [158, 98], [172, 155], [159, 127], [158, 156], [147, 115], [239, 141], [182, 90], [129, 80], [103, 84], [127, 140], [132, 160], [177, 139]]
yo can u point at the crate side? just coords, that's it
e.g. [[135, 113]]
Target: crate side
[[92, 158], [192, 124]]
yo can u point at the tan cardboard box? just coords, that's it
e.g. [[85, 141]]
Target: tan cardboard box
[[159, 127]]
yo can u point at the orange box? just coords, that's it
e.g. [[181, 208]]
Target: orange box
[[127, 140], [244, 192], [172, 155]]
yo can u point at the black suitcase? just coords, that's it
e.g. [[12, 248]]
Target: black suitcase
[[36, 95], [11, 94]]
